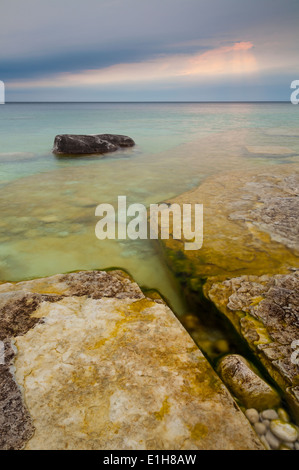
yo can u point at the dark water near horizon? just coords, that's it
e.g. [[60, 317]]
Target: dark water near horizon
[[48, 203]]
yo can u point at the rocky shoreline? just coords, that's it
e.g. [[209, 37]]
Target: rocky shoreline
[[265, 311], [94, 363], [87, 365], [247, 268]]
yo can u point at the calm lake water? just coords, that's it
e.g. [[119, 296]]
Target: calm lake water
[[48, 203]]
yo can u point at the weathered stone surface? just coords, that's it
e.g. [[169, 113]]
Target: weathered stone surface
[[90, 144], [102, 366], [16, 312], [275, 214], [16, 426], [265, 310], [251, 236], [250, 227], [119, 140], [284, 431], [16, 309], [246, 384]]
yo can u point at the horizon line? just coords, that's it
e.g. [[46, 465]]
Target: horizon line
[[142, 102]]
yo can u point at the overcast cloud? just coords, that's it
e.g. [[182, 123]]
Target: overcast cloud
[[148, 49]]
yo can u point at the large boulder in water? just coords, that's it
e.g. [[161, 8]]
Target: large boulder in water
[[89, 144]]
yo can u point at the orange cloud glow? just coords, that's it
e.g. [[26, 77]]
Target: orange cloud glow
[[227, 60]]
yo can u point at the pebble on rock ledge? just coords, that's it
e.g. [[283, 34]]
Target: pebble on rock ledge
[[260, 428], [272, 440], [269, 415], [284, 431], [252, 415], [246, 384]]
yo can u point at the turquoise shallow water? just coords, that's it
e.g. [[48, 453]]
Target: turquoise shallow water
[[48, 203], [155, 126]]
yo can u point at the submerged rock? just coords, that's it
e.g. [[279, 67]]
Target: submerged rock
[[252, 415], [272, 440], [8, 157], [90, 144], [284, 431], [269, 415], [250, 226], [101, 366], [269, 151], [260, 428], [246, 384]]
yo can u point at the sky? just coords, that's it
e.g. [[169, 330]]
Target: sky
[[149, 50]]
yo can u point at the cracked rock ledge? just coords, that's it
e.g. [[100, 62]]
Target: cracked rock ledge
[[91, 362]]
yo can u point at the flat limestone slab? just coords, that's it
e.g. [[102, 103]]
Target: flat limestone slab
[[101, 366], [283, 131], [270, 150], [251, 226]]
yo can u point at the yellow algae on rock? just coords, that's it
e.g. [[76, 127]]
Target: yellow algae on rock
[[103, 367], [164, 409], [250, 226], [247, 265]]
